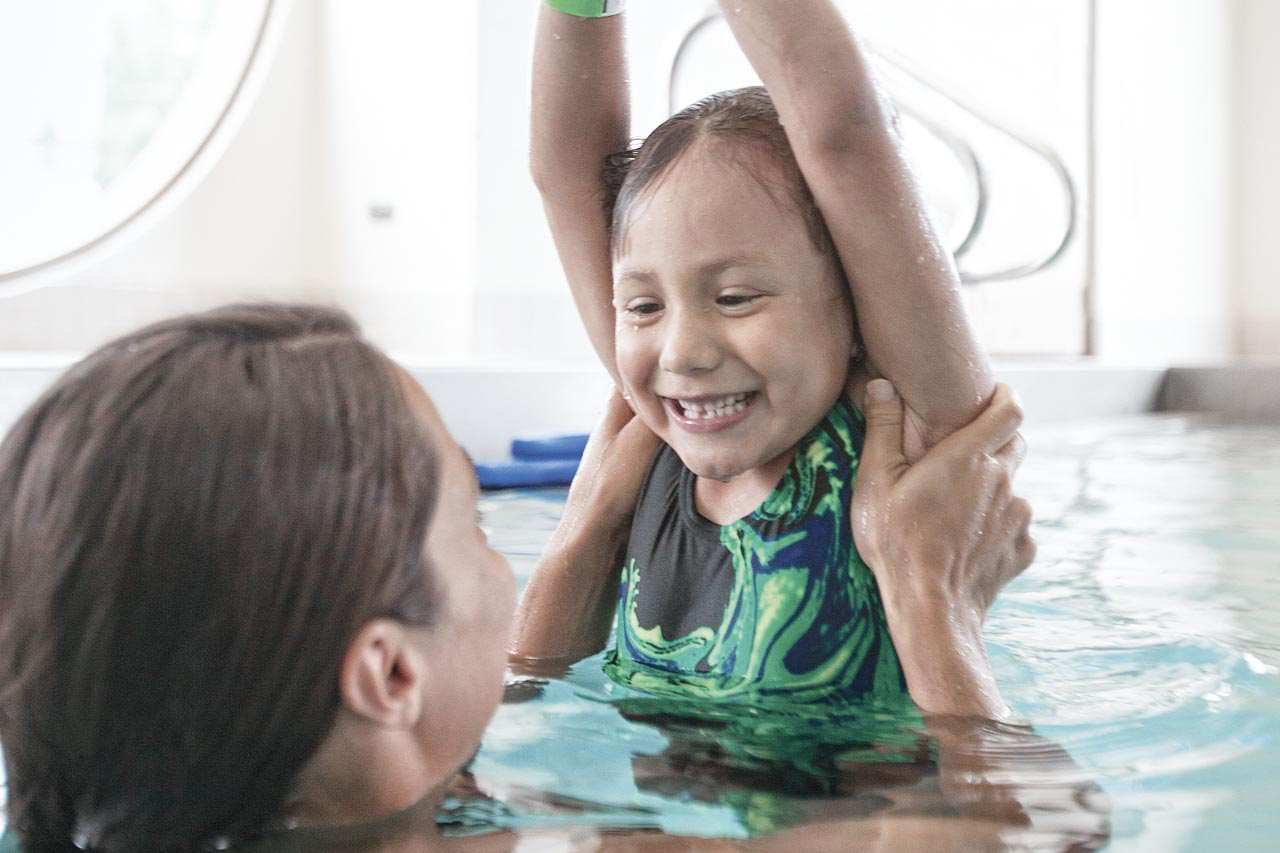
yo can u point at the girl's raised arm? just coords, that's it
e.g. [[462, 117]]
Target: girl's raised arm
[[844, 135], [581, 114]]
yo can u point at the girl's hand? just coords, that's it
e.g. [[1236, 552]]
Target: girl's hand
[[614, 463], [568, 605], [942, 536]]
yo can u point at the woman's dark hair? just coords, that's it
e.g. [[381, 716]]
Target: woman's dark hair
[[745, 123], [196, 521]]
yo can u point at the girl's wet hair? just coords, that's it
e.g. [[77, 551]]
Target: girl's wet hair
[[746, 126], [198, 518]]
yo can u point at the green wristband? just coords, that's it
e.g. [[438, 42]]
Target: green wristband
[[587, 8]]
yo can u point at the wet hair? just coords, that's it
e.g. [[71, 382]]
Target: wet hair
[[198, 519], [744, 125]]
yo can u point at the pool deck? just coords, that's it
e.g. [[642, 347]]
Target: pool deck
[[489, 405]]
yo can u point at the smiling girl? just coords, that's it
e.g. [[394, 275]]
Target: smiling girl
[[717, 268]]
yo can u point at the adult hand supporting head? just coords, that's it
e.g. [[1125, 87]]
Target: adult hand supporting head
[[942, 537]]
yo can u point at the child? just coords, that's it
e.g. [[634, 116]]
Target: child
[[718, 287]]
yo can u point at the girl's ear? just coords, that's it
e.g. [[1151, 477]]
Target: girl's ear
[[384, 675]]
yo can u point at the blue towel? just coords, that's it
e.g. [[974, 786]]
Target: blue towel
[[522, 472], [549, 447]]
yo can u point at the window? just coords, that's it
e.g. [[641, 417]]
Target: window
[[109, 107]]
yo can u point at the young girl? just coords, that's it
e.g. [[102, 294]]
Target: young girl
[[718, 287]]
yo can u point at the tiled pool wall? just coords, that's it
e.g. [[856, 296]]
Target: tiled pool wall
[[487, 406]]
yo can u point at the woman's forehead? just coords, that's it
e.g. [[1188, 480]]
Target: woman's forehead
[[455, 464]]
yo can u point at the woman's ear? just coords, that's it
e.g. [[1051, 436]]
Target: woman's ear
[[384, 674]]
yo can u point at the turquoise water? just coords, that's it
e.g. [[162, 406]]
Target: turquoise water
[[1144, 641]]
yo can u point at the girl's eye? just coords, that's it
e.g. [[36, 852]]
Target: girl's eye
[[737, 300], [643, 309]]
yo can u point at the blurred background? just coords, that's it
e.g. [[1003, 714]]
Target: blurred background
[[1105, 168]]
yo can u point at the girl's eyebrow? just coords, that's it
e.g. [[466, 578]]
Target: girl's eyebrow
[[715, 268], [710, 269], [638, 276]]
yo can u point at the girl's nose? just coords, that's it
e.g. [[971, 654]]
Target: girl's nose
[[689, 343]]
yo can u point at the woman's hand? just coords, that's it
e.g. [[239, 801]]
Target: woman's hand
[[943, 536], [568, 605]]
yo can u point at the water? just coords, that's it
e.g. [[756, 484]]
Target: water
[[1144, 641]]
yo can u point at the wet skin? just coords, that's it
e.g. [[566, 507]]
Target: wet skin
[[734, 334]]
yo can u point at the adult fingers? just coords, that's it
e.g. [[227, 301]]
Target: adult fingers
[[620, 438], [1012, 454], [615, 460], [617, 412], [995, 427], [1024, 546], [637, 441], [882, 460]]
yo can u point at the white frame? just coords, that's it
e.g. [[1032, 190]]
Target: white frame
[[168, 167]]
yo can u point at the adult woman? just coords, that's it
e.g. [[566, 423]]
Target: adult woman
[[218, 572], [242, 588]]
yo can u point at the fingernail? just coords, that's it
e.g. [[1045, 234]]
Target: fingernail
[[880, 390]]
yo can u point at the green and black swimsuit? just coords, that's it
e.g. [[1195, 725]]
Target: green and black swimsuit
[[777, 606]]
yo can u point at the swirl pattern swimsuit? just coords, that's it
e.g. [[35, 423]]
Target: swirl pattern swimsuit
[[775, 607]]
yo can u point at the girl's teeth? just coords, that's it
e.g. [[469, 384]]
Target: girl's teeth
[[732, 404]]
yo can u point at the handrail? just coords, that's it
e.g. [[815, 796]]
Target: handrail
[[958, 145], [1043, 150], [962, 151]]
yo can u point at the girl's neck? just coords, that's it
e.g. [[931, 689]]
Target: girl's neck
[[724, 502]]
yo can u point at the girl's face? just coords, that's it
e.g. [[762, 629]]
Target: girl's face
[[733, 336]]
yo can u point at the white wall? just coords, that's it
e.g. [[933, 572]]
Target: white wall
[[1257, 178], [522, 302], [522, 307], [1163, 181], [241, 233], [392, 103], [397, 119]]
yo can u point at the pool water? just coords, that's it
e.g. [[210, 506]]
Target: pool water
[[1145, 640]]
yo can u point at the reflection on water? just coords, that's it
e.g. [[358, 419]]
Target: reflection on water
[[1143, 642], [1142, 646]]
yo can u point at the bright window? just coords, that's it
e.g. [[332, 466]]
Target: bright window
[[107, 105]]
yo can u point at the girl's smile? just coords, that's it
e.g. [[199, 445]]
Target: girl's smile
[[734, 336], [710, 413]]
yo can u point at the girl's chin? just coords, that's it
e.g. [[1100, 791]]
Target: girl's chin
[[723, 470], [734, 463]]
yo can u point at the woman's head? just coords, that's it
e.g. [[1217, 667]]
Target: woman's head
[[206, 523], [735, 329]]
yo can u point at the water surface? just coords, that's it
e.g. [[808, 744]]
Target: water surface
[[1143, 640]]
